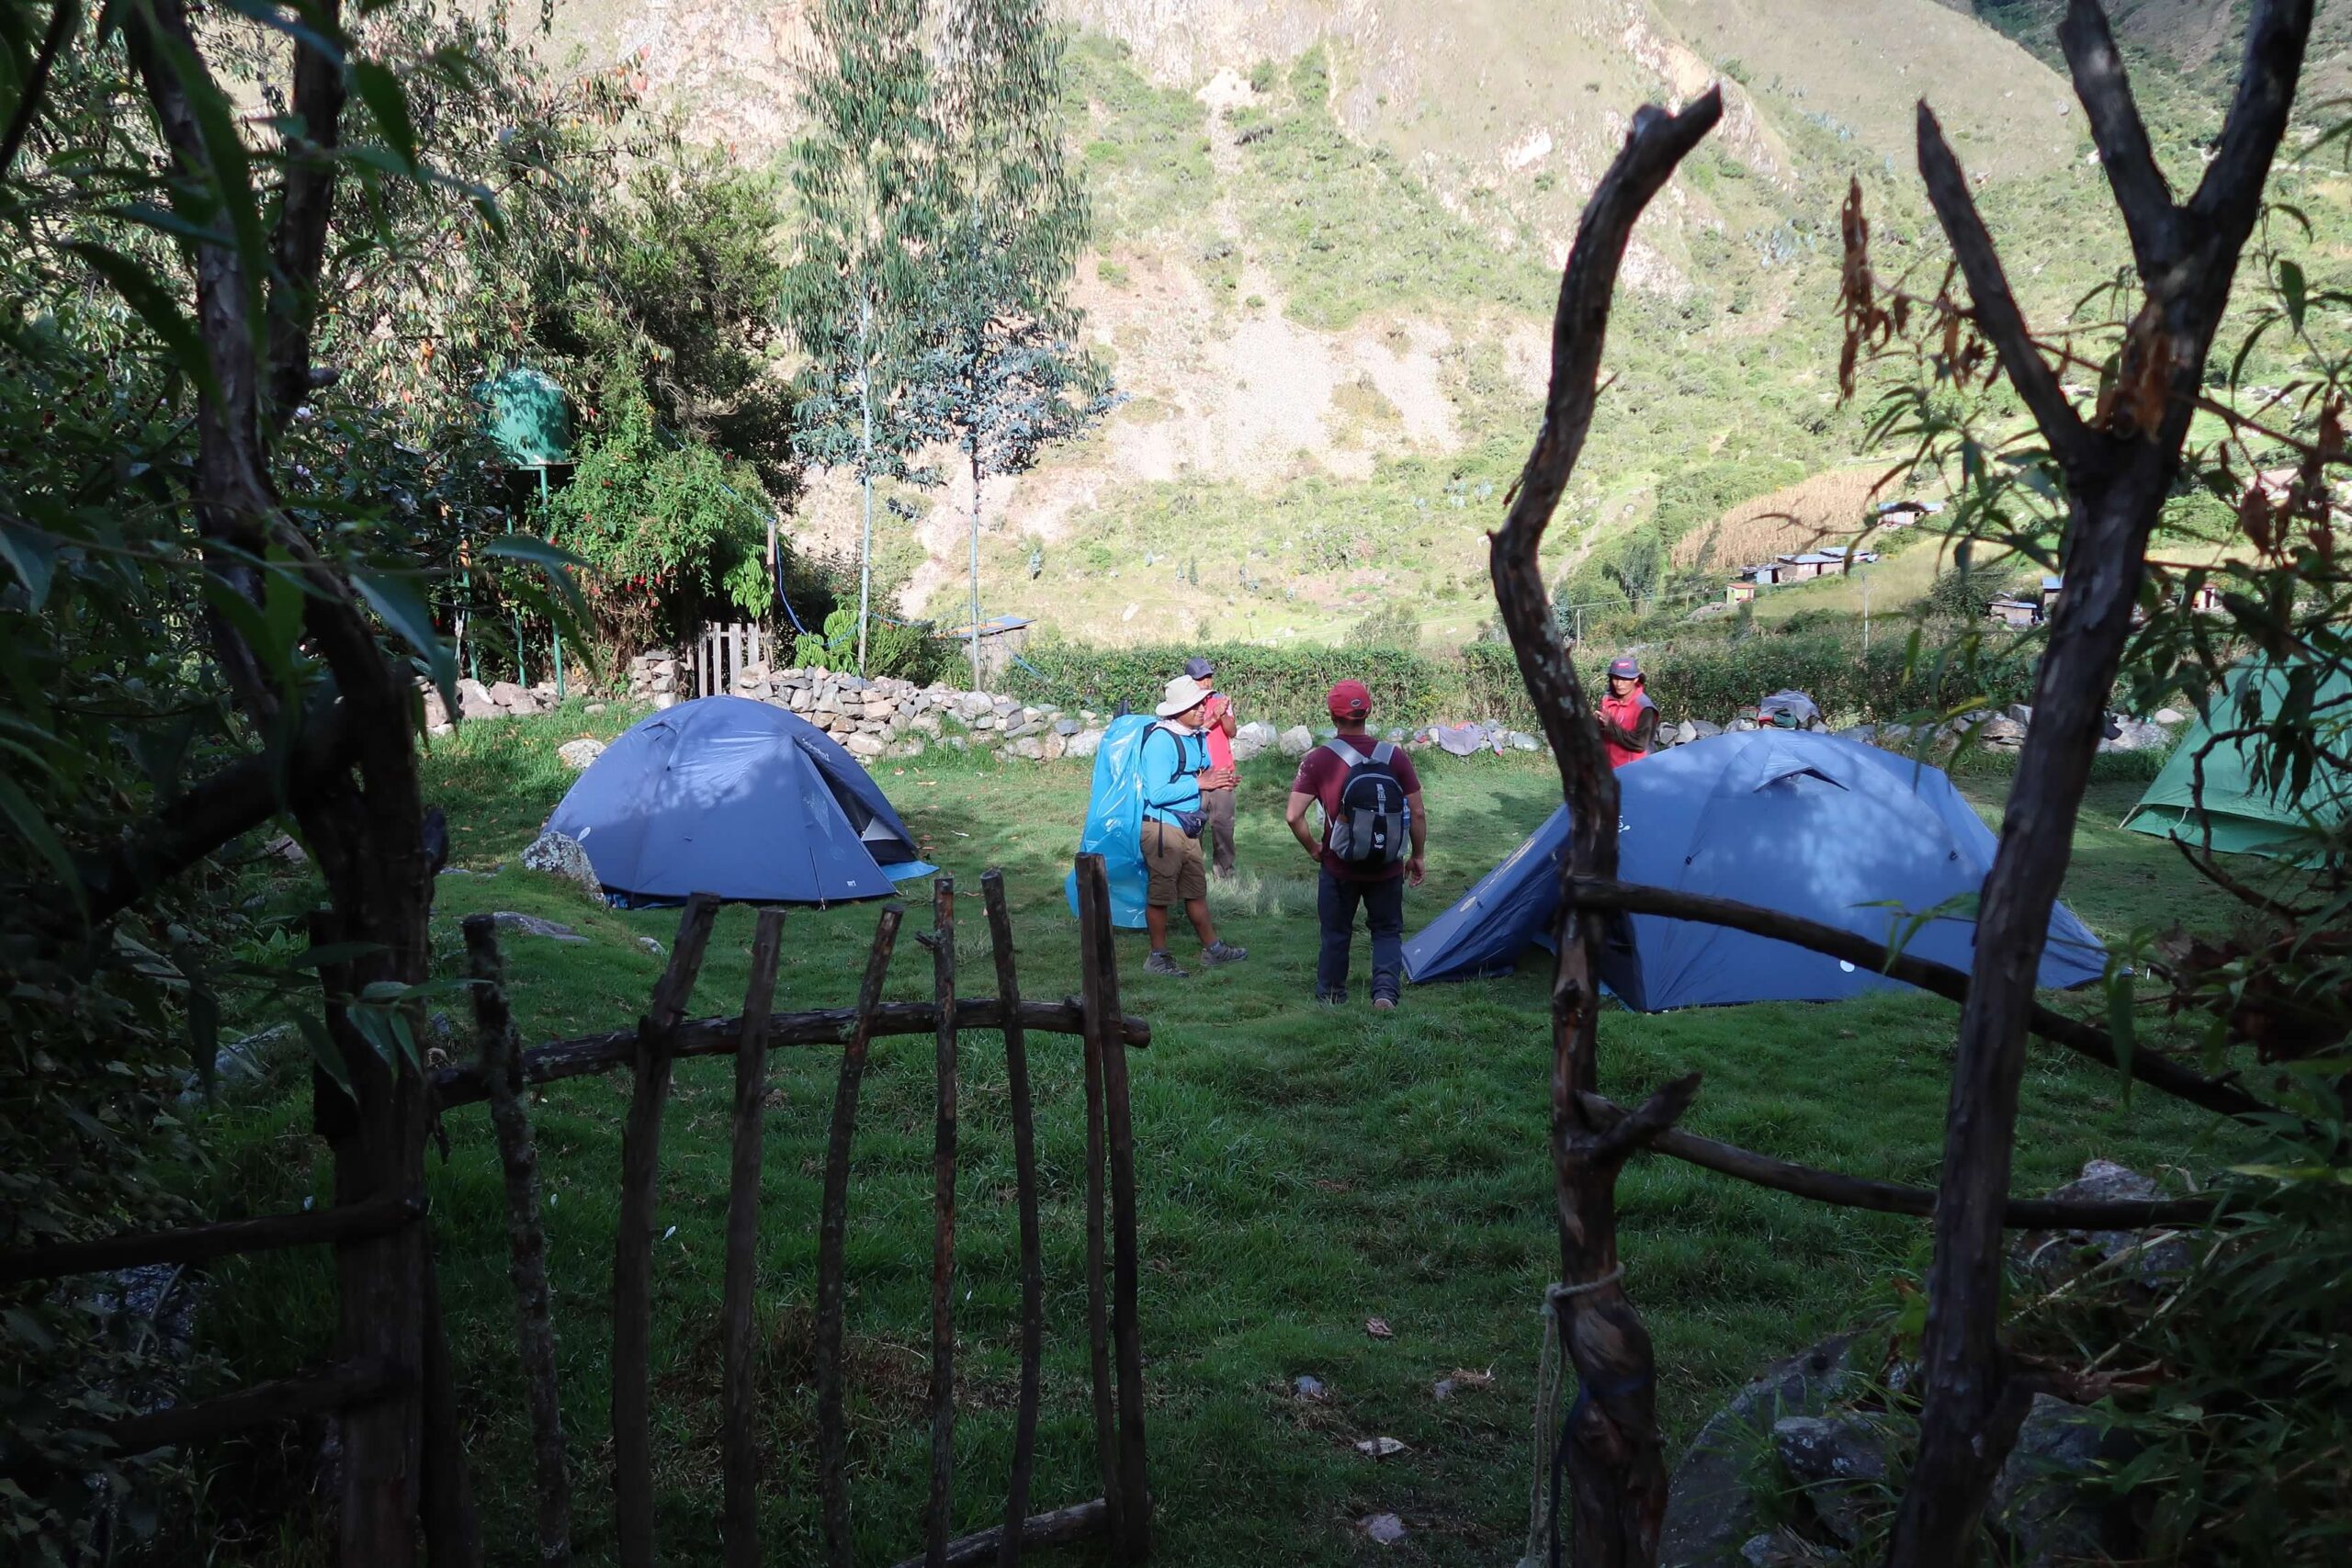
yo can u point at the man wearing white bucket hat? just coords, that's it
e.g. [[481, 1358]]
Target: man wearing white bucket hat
[[1171, 759]]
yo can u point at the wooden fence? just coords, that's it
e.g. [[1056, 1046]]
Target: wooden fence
[[716, 654], [1122, 1514]]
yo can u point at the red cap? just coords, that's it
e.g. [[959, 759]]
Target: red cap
[[1348, 699]]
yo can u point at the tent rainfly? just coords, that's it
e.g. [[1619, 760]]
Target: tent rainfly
[[1805, 823], [734, 797], [2241, 816]]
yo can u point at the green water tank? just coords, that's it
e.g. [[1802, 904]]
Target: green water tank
[[529, 416]]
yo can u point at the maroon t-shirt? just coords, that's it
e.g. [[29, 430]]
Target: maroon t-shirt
[[1323, 775]]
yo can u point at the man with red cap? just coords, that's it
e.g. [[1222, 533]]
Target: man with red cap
[[1374, 833], [1628, 717]]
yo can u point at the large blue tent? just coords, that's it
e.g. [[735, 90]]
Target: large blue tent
[[735, 797], [1808, 824]]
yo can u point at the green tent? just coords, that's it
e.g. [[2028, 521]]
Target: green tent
[[2243, 817]]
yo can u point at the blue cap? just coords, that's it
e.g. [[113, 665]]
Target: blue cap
[[1199, 668]]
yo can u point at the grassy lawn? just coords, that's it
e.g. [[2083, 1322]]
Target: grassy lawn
[[1301, 1171]]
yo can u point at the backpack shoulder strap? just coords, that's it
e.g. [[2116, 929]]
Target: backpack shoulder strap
[[1385, 753], [1345, 752]]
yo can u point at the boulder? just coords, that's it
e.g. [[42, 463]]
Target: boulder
[[578, 754], [1864, 733], [1296, 741], [2001, 733], [1054, 744], [1686, 732], [664, 700], [1892, 735], [437, 712], [474, 700], [1708, 1513], [513, 698], [865, 746], [2039, 1500], [1839, 1461], [531, 925], [1701, 731], [2168, 716], [1086, 741], [1066, 728], [1026, 746], [1521, 741], [2053, 1255], [2136, 735], [1251, 739], [2022, 712], [561, 855]]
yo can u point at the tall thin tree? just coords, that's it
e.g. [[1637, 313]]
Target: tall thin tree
[[858, 295], [1004, 377]]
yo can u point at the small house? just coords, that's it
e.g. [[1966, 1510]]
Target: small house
[[1740, 593], [2015, 613], [1002, 640], [2049, 589]]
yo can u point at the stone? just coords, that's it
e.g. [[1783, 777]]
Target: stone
[[514, 698], [1863, 733], [578, 754], [1708, 1513], [1296, 741], [474, 700], [437, 712], [664, 700], [2136, 735], [1027, 747], [1841, 1464], [1066, 728], [1251, 739], [593, 709], [911, 747], [241, 1063], [1743, 724], [1702, 730], [2053, 1256], [1086, 742], [2001, 733], [1894, 734], [2022, 713], [1053, 745], [652, 946], [1026, 728], [1521, 741], [1685, 733], [1385, 1529], [864, 745], [2040, 1501], [2168, 716], [1780, 1548], [531, 925], [561, 855]]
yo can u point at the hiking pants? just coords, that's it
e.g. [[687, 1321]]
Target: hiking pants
[[1219, 805], [1336, 899]]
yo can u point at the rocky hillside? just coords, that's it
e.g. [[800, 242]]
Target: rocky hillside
[[1327, 238]]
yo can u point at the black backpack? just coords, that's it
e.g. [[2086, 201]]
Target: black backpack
[[1369, 829]]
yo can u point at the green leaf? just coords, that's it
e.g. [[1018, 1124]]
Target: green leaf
[[2122, 1022], [327, 955], [204, 1032], [396, 599], [32, 555], [324, 1051], [155, 307], [34, 829], [2292, 289], [387, 101]]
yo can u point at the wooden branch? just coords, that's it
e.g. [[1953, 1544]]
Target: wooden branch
[[202, 1244], [1995, 309], [738, 1396], [2230, 195], [1894, 1197], [452, 1525], [2218, 1095], [286, 1399], [65, 17], [1625, 1133], [590, 1054], [1093, 931], [1080, 1521], [300, 245], [941, 1500], [632, 1404], [1024, 1176], [832, 1425], [2122, 137], [1126, 1266], [526, 1245]]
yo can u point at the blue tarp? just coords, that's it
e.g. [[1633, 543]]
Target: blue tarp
[[1115, 820], [1808, 824], [735, 797]]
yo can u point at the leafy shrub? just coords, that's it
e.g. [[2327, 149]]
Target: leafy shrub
[[900, 651]]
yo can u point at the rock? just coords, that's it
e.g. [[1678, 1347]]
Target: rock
[[1864, 733], [1053, 745], [1685, 733], [559, 855], [2055, 1255], [664, 700], [2020, 712], [1743, 723], [241, 1063], [864, 745], [593, 709], [513, 698], [652, 946], [1894, 734], [1066, 728], [474, 701], [2039, 1499], [2168, 716], [1086, 742], [578, 754], [1026, 746], [531, 925], [1701, 731], [1522, 742], [283, 846], [2137, 735], [1840, 1462], [1296, 741], [1708, 1513], [437, 712], [1251, 739], [1308, 1387], [1385, 1529], [2003, 734], [1781, 1547]]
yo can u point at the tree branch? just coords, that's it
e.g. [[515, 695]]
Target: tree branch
[[1622, 1134], [2218, 1095], [64, 16], [300, 244], [1996, 312], [2122, 138], [2230, 195], [1896, 1197]]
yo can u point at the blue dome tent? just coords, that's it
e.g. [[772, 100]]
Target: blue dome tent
[[1807, 824], [735, 797]]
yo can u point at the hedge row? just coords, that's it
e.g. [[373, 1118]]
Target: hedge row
[[1710, 680]]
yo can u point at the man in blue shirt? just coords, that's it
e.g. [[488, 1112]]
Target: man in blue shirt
[[1171, 759]]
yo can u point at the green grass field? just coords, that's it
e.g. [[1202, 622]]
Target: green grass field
[[1301, 1171]]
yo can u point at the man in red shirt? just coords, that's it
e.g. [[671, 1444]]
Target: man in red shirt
[[1362, 860], [1628, 717], [1220, 781]]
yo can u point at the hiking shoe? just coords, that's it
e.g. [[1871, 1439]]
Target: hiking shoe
[[1384, 1004], [1223, 952], [1160, 962], [1331, 999]]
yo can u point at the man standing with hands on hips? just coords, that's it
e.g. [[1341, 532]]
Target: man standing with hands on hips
[[1171, 758], [1373, 834]]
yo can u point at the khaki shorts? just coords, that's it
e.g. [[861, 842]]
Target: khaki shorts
[[1174, 862]]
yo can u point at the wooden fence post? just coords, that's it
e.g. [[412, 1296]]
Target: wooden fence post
[[739, 1521], [527, 1269], [833, 1435], [1101, 980], [1098, 1315], [633, 1240], [943, 1236], [1033, 1269]]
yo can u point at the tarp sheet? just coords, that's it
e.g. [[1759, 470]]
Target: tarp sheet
[[1115, 820]]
